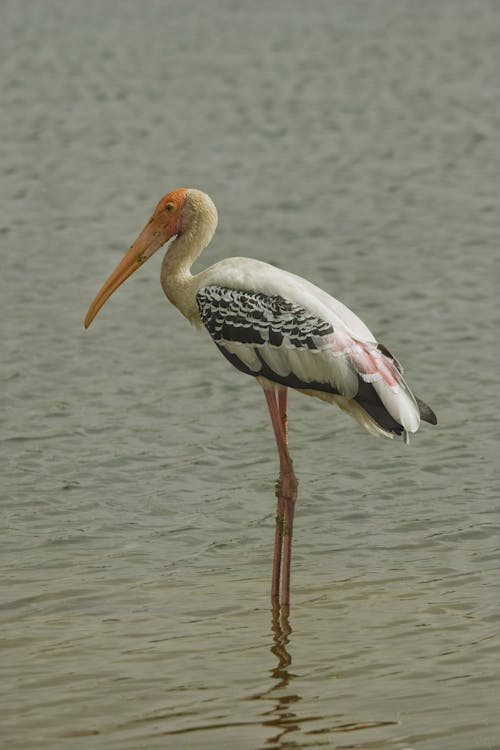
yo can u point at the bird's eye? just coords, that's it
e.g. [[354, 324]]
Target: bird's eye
[[169, 207]]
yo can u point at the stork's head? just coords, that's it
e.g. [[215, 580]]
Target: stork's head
[[166, 219], [183, 211], [165, 222]]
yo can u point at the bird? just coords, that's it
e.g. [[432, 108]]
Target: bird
[[280, 329]]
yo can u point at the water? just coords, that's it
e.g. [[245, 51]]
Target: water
[[355, 144]]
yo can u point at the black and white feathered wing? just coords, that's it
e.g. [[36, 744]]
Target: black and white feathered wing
[[270, 336]]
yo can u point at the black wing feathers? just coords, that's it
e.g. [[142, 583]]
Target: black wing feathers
[[256, 318]]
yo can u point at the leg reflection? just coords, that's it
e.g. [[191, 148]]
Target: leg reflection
[[280, 717], [281, 629]]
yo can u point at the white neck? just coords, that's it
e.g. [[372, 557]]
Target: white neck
[[199, 221]]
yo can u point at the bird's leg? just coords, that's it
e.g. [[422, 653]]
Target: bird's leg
[[290, 498], [287, 495], [280, 508], [278, 544], [282, 399]]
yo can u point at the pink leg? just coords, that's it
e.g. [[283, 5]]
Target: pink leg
[[282, 399], [280, 509], [287, 495], [278, 544], [287, 540]]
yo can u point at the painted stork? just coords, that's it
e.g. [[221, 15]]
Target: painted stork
[[282, 330]]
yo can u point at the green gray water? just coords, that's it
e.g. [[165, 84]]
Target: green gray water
[[354, 143]]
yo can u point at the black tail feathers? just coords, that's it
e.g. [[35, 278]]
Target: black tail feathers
[[426, 412]]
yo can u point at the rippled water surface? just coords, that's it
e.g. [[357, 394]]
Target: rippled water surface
[[354, 143]]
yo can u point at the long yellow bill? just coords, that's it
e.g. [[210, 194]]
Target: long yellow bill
[[163, 224]]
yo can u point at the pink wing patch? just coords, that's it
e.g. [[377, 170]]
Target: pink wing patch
[[369, 362], [365, 357], [376, 365]]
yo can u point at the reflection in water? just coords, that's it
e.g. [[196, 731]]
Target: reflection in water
[[281, 715], [282, 629]]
